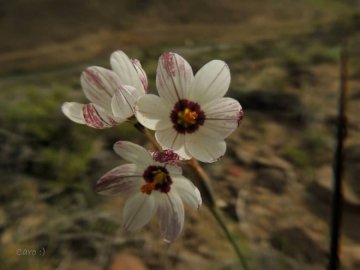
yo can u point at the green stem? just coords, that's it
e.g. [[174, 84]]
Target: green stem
[[207, 192], [152, 140], [215, 212], [148, 135]]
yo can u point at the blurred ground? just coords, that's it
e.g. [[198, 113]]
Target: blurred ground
[[273, 184]]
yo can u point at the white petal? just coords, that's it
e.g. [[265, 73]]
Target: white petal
[[123, 101], [171, 139], [141, 73], [171, 215], [222, 117], [138, 211], [174, 170], [126, 71], [187, 192], [73, 111], [204, 148], [97, 117], [99, 85], [125, 178], [133, 153], [153, 113], [173, 77], [211, 82]]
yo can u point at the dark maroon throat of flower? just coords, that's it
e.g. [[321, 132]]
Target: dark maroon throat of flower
[[187, 116], [156, 178]]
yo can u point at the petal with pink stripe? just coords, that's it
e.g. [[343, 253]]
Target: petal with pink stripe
[[174, 76], [97, 117], [124, 179]]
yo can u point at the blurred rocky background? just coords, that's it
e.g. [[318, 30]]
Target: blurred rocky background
[[273, 185]]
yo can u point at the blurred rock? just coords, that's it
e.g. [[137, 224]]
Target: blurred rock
[[322, 187], [231, 211], [318, 198], [350, 257], [295, 243], [192, 261], [82, 264], [127, 262], [241, 205], [243, 156], [271, 259], [272, 179], [3, 219], [282, 105], [352, 167], [275, 162], [7, 237], [234, 170]]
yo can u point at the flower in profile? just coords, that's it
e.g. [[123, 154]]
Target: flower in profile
[[192, 116], [154, 188], [112, 93]]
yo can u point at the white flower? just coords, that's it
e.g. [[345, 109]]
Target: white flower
[[112, 93], [154, 188], [191, 117]]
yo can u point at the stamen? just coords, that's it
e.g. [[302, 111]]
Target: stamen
[[157, 179], [147, 188], [187, 116], [191, 116]]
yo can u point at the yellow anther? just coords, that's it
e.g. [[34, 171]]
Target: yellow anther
[[159, 178], [187, 117], [191, 116], [148, 188]]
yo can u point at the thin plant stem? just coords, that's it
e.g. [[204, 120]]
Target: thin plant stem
[[337, 198], [208, 195], [204, 183], [148, 135], [216, 214], [152, 140]]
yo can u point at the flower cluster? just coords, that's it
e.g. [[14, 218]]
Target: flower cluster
[[113, 93], [190, 117]]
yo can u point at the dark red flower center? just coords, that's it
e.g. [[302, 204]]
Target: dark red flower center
[[156, 178], [187, 116]]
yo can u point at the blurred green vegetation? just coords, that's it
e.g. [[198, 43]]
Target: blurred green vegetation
[[299, 157]]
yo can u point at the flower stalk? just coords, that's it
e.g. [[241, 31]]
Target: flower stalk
[[204, 183], [152, 140], [216, 214], [148, 135], [208, 196]]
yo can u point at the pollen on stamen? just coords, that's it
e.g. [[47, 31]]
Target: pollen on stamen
[[187, 116], [147, 188], [182, 118], [156, 178]]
